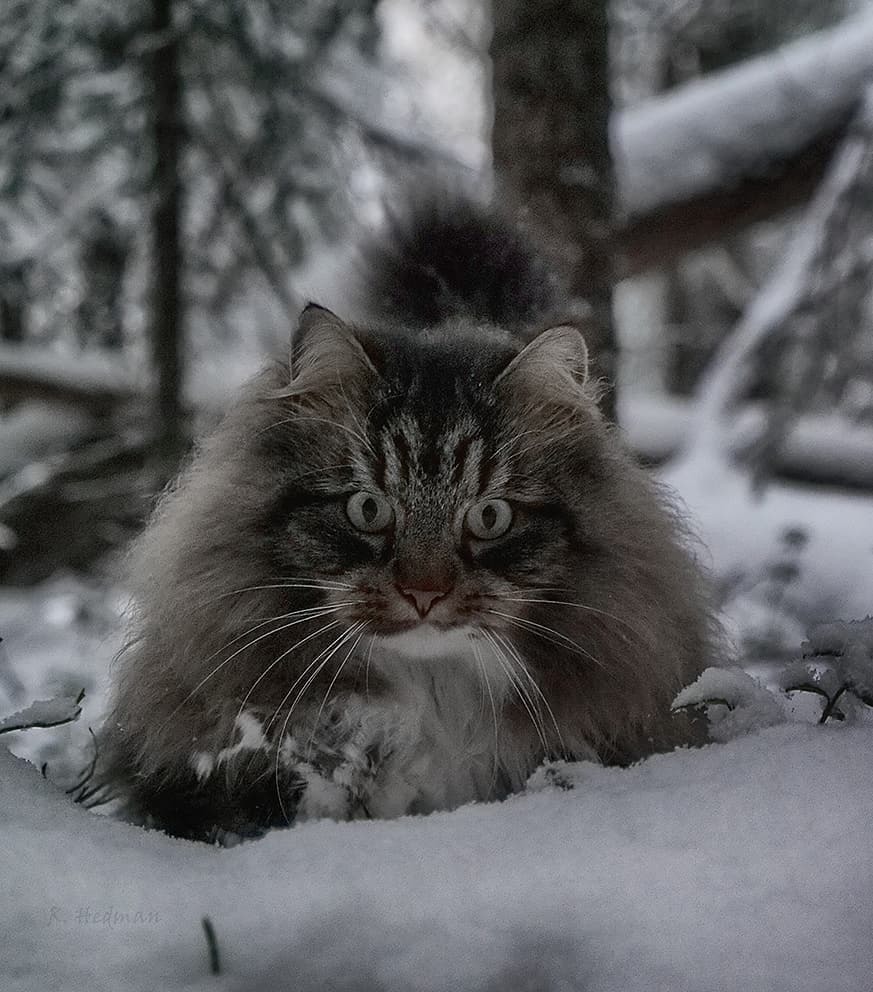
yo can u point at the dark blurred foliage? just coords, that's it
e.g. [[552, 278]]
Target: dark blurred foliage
[[158, 162], [260, 167]]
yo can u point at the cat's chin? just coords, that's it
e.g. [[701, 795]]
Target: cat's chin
[[427, 642]]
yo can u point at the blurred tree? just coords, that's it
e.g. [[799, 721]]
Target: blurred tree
[[103, 258], [201, 128], [551, 142], [657, 46], [13, 302], [206, 117], [167, 317]]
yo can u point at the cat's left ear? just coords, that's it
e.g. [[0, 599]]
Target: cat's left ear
[[325, 354], [555, 361]]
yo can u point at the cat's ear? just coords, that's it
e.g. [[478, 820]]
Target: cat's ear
[[325, 354], [556, 361]]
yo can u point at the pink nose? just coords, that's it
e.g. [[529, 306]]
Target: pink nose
[[423, 598]]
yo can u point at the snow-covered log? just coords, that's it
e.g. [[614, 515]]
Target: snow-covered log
[[736, 146], [90, 381]]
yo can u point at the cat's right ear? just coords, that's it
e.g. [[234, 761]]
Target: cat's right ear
[[553, 364], [325, 356]]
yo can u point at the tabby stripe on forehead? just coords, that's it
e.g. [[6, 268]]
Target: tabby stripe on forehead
[[462, 449], [401, 448], [381, 468], [430, 460], [487, 468]]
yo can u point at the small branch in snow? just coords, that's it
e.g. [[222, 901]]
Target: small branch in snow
[[212, 944]]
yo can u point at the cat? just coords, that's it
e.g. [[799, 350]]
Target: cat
[[412, 564]]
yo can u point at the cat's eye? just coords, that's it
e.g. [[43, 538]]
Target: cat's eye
[[489, 519], [369, 512]]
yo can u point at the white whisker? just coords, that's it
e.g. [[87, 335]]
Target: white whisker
[[276, 585], [543, 630], [321, 420], [507, 643], [367, 668], [329, 689], [520, 690], [281, 658], [484, 674], [323, 611], [327, 654], [578, 606]]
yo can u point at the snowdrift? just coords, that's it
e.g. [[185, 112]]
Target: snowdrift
[[744, 865]]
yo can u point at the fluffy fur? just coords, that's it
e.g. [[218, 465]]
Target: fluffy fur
[[285, 663]]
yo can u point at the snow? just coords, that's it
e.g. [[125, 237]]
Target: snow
[[744, 865], [744, 532], [685, 144]]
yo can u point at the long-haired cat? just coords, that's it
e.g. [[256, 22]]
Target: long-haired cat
[[413, 563]]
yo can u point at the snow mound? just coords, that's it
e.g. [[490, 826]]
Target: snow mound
[[739, 865]]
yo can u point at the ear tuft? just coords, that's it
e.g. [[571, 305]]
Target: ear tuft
[[553, 363], [325, 354]]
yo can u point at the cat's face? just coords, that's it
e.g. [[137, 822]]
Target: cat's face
[[433, 490]]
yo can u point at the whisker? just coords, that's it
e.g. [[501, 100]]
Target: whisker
[[329, 689], [312, 664], [320, 420], [367, 668], [578, 606], [328, 653], [484, 675], [507, 643], [275, 585], [555, 635], [515, 439], [323, 611], [522, 694], [281, 657]]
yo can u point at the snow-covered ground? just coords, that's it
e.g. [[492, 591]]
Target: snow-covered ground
[[746, 864], [743, 866]]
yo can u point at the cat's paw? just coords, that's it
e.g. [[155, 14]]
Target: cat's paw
[[336, 778], [321, 797]]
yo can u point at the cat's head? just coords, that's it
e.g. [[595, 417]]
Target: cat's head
[[433, 480]]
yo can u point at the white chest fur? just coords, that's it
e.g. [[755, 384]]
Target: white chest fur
[[443, 718]]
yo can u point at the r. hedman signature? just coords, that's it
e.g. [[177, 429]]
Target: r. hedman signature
[[108, 917]]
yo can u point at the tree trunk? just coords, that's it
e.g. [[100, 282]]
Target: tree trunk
[[167, 316], [551, 143], [13, 303]]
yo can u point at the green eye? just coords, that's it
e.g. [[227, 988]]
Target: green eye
[[369, 512], [489, 519]]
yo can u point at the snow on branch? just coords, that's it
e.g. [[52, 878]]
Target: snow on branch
[[44, 713], [836, 666], [736, 146], [90, 381], [818, 448], [808, 321]]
